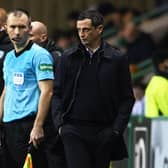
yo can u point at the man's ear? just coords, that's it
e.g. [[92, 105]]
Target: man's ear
[[43, 37], [30, 27], [5, 27], [100, 28]]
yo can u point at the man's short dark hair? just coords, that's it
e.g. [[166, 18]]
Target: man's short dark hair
[[95, 16], [19, 12]]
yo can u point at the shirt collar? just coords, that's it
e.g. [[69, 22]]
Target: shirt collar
[[91, 52], [26, 48]]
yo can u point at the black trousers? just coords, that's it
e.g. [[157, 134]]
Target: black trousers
[[53, 148], [86, 147], [17, 135]]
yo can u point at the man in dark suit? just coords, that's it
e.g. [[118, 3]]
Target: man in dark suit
[[93, 98]]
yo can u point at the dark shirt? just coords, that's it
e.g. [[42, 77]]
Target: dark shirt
[[88, 106], [5, 46]]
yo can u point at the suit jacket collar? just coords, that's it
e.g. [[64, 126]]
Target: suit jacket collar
[[105, 50]]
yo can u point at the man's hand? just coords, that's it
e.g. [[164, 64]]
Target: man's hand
[[108, 135], [36, 136]]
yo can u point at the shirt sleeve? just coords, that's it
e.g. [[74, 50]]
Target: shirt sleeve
[[44, 68]]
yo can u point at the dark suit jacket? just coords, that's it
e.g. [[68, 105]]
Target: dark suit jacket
[[115, 87]]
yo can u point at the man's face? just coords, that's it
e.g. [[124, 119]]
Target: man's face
[[35, 34], [129, 31], [18, 29], [88, 34]]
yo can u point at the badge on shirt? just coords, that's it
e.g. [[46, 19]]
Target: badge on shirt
[[46, 67], [18, 78]]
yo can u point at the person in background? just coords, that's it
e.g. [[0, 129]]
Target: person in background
[[138, 46], [156, 97], [5, 44], [64, 38], [110, 15], [93, 98], [25, 100], [55, 154], [129, 14], [139, 94], [39, 35], [71, 18]]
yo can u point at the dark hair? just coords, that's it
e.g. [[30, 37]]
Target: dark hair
[[95, 16], [19, 12]]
